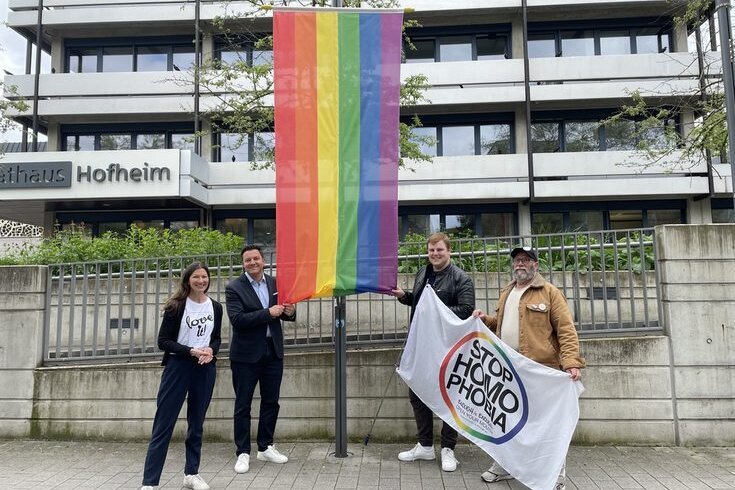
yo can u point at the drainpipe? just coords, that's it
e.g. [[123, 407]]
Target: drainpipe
[[527, 86], [197, 66], [722, 7], [37, 75]]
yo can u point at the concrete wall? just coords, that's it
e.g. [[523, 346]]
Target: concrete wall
[[697, 267], [662, 389], [22, 306]]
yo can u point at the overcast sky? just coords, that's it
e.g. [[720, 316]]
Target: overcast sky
[[12, 58]]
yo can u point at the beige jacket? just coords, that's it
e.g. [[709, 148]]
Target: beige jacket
[[547, 334]]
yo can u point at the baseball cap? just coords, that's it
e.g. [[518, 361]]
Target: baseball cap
[[530, 251]]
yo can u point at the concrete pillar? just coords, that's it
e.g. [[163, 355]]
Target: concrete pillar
[[57, 54], [699, 212], [695, 264], [681, 43], [521, 141], [22, 302], [524, 219], [54, 137], [516, 37]]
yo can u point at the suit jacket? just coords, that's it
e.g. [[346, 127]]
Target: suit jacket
[[250, 321], [169, 334]]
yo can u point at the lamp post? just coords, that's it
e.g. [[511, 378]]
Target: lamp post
[[722, 7]]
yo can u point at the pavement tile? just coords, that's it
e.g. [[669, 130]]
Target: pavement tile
[[312, 465]]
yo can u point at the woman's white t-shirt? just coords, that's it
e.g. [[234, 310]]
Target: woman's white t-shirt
[[196, 324]]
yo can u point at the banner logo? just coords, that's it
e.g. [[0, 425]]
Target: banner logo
[[482, 389]]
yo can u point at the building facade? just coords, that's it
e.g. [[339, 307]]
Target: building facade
[[517, 93]]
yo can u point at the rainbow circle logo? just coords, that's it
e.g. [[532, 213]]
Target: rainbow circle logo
[[482, 389]]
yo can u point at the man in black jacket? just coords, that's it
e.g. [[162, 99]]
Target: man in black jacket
[[454, 287], [256, 355]]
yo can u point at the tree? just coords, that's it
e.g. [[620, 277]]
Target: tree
[[240, 79], [648, 126], [14, 104]]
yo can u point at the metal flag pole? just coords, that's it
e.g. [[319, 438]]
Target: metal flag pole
[[723, 16], [340, 378], [340, 366]]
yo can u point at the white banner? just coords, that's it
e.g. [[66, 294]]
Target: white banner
[[520, 412]]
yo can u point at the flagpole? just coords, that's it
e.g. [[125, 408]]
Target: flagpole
[[340, 365]]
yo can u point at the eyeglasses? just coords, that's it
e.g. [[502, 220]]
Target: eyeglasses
[[522, 260]]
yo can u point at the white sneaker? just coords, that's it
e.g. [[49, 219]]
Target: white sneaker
[[147, 487], [195, 482], [272, 455], [242, 465], [418, 452], [560, 486], [449, 461]]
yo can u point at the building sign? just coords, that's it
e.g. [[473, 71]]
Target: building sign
[[35, 175], [117, 173], [90, 174]]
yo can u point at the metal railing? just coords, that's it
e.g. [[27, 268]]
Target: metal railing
[[103, 311]]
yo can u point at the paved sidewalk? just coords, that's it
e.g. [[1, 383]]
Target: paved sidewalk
[[87, 465]]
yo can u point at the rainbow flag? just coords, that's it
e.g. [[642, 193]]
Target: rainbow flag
[[337, 77]]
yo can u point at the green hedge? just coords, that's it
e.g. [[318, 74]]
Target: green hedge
[[76, 245]]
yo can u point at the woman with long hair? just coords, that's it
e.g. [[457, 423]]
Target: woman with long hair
[[189, 337]]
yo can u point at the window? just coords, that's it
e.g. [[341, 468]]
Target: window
[[615, 42], [581, 136], [424, 51], [242, 51], [547, 223], [152, 58], [233, 147], [115, 142], [591, 41], [495, 139], [455, 48], [264, 233], [542, 45], [428, 135], [182, 141], [578, 43], [622, 220], [457, 140], [150, 141], [651, 40], [79, 143], [262, 58], [183, 58], [236, 226], [655, 217], [140, 136], [496, 224], [82, 60], [264, 146], [116, 227], [117, 59], [149, 54], [460, 224], [618, 135], [545, 137], [586, 221], [492, 47]]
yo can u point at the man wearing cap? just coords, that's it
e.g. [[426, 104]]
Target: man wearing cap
[[534, 319]]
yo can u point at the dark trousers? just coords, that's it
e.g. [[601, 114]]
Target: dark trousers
[[425, 424], [180, 376], [267, 372]]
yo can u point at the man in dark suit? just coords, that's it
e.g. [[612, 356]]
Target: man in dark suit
[[256, 354]]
